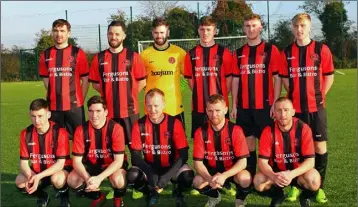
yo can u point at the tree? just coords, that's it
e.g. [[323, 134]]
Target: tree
[[182, 23], [120, 15], [316, 8], [154, 9], [140, 30], [282, 35], [44, 40], [230, 16]]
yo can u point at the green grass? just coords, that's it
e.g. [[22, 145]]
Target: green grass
[[341, 178]]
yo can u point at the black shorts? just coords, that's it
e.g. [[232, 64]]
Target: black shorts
[[198, 119], [318, 123], [253, 121], [127, 124], [181, 118], [94, 170], [69, 119]]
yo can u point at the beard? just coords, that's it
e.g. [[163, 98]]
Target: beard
[[115, 45], [160, 43]]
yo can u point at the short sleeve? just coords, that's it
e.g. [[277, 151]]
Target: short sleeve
[[265, 144], [275, 60], [43, 71], [82, 63], [227, 63], [181, 61], [136, 144], [94, 75], [118, 145], [283, 70], [179, 137], [78, 148], [24, 153], [188, 74], [239, 143], [63, 146], [307, 142], [140, 72], [327, 61], [235, 67], [198, 151]]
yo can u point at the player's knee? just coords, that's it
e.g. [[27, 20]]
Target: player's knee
[[312, 179], [20, 181], [74, 180], [259, 179], [185, 179], [198, 182], [243, 178], [118, 179], [320, 147], [136, 178], [58, 180]]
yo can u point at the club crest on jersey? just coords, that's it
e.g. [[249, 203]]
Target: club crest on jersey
[[167, 134], [228, 141], [126, 62], [71, 59], [171, 60], [216, 57], [51, 144], [106, 139], [314, 57], [295, 142], [263, 55]]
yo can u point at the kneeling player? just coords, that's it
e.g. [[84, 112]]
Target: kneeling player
[[220, 152], [162, 140], [46, 146], [98, 153], [286, 156]]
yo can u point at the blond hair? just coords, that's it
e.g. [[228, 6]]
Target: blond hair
[[299, 17]]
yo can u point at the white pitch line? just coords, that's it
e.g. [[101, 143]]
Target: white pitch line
[[339, 72]]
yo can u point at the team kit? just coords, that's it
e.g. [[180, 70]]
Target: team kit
[[276, 141]]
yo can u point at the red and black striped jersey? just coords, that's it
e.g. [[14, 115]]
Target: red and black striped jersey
[[118, 75], [44, 149], [208, 67], [305, 66], [220, 150], [64, 69], [255, 66], [98, 146], [286, 150], [160, 143]]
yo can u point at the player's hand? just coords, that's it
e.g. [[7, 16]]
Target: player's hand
[[286, 177], [213, 182], [219, 179], [33, 183], [233, 113], [93, 183], [159, 190], [277, 179], [272, 115]]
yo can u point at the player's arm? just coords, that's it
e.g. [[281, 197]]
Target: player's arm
[[141, 84], [327, 83], [79, 167], [25, 168], [234, 91], [265, 152], [94, 76], [43, 72], [285, 83], [82, 67], [24, 156], [236, 168], [277, 87], [283, 71], [198, 156], [188, 74], [78, 149], [228, 84], [45, 80], [201, 169], [84, 85], [113, 167], [57, 167], [140, 72]]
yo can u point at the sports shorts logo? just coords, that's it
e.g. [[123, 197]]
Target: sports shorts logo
[[171, 60]]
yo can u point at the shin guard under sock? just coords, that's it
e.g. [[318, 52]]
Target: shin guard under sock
[[321, 161]]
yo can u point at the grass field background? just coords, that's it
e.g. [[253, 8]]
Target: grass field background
[[340, 185]]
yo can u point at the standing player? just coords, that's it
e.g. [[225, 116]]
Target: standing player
[[208, 70], [255, 64], [46, 146], [162, 140], [98, 153], [164, 63], [220, 153], [307, 74], [64, 70], [118, 74], [286, 156]]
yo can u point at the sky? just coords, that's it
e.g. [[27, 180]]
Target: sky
[[21, 20]]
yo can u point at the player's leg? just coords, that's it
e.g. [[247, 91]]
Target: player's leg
[[182, 182], [118, 182], [265, 187], [59, 182], [74, 118], [243, 183], [58, 117], [204, 188], [319, 130], [309, 182]]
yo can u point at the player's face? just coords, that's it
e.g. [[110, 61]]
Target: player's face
[[40, 118], [207, 33], [97, 115], [252, 29], [155, 106], [216, 112], [60, 34], [160, 35], [284, 112], [115, 36], [301, 29]]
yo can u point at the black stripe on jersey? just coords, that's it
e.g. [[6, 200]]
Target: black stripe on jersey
[[195, 93], [101, 71], [156, 142], [29, 138], [115, 87], [239, 92], [42, 147], [130, 102], [47, 53], [288, 53], [72, 83], [98, 140], [206, 61], [287, 149], [170, 129], [303, 80], [55, 131], [298, 137], [265, 83], [109, 138], [251, 77], [273, 153], [217, 143], [231, 129], [204, 134], [317, 64], [58, 80], [220, 54]]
